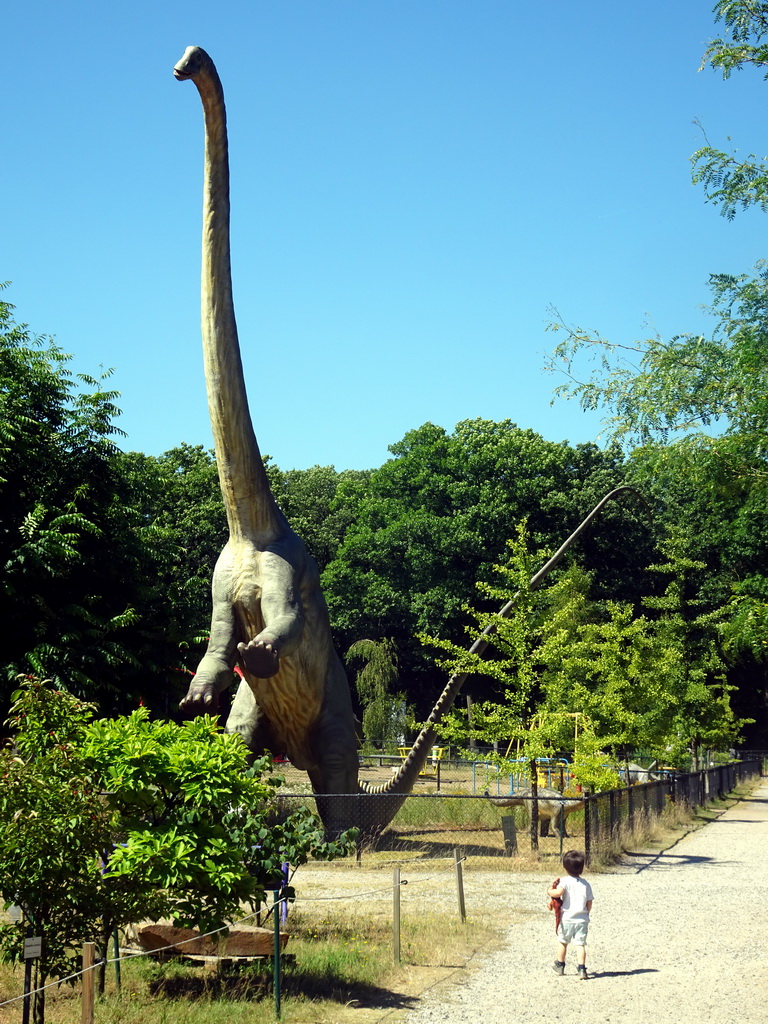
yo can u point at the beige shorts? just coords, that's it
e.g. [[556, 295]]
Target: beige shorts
[[573, 932]]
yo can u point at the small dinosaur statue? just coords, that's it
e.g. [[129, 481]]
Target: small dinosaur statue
[[269, 614], [553, 808]]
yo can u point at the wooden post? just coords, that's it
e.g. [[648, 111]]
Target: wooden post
[[396, 914], [89, 956], [534, 808], [460, 884], [472, 740], [631, 808], [612, 815], [587, 830]]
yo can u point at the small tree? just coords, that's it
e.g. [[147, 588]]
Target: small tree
[[52, 826], [639, 680], [383, 710], [515, 640], [703, 715]]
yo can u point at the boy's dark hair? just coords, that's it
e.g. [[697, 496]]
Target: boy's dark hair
[[573, 862]]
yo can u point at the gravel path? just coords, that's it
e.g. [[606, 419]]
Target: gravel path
[[675, 938]]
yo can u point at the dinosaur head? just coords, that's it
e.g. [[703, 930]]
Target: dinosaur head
[[195, 59]]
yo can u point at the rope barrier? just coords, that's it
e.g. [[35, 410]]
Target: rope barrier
[[119, 959], [175, 945]]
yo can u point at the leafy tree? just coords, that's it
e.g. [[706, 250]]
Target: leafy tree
[[703, 715], [178, 511], [730, 182], [696, 409], [699, 393], [65, 604], [106, 556], [311, 500], [383, 709], [654, 679], [437, 516], [531, 721], [53, 822], [175, 508], [110, 821], [632, 679]]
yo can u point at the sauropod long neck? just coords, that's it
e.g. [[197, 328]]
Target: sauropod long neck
[[251, 509]]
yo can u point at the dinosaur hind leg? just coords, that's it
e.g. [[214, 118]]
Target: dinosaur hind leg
[[248, 720]]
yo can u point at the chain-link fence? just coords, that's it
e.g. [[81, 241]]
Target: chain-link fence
[[419, 826], [611, 816]]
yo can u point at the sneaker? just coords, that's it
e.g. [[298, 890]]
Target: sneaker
[[582, 971], [558, 967]]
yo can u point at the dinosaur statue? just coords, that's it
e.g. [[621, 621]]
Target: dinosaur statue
[[269, 614], [636, 774], [553, 807]]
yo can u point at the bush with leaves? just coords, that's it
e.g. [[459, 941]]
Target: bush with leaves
[[109, 821]]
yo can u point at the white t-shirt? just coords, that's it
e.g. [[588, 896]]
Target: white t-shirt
[[576, 894]]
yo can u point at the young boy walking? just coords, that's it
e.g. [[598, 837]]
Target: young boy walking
[[576, 894]]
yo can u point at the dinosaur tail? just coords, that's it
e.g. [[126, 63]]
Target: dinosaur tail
[[404, 780]]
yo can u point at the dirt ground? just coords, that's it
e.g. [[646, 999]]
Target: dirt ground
[[677, 937]]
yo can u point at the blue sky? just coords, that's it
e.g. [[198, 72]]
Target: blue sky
[[414, 184]]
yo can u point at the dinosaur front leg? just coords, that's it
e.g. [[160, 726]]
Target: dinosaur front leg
[[215, 671], [281, 613], [260, 657]]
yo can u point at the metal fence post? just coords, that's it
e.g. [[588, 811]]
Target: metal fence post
[[587, 829], [276, 950]]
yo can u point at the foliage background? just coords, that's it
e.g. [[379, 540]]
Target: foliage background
[[107, 555]]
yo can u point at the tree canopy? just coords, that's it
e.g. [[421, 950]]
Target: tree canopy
[[109, 555], [434, 519]]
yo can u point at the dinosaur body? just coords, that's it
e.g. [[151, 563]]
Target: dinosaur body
[[553, 807], [269, 615], [636, 774]]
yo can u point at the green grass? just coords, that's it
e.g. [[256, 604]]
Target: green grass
[[439, 810], [333, 960]]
